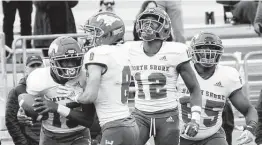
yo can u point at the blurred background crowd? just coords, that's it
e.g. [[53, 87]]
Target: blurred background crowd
[[58, 17]]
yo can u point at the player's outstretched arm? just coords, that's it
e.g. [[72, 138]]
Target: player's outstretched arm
[[190, 80], [243, 105], [92, 85], [84, 117]]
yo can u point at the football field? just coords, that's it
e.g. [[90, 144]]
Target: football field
[[193, 16]]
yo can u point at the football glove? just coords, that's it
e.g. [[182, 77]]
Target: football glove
[[245, 137], [69, 91], [191, 128], [23, 119]]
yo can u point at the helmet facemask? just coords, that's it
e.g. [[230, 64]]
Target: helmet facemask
[[67, 66], [150, 26], [93, 34], [207, 55]]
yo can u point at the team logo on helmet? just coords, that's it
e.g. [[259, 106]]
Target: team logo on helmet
[[103, 28], [107, 20]]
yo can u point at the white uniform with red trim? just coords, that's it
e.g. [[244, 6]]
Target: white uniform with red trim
[[215, 91], [41, 83], [111, 103], [156, 76]]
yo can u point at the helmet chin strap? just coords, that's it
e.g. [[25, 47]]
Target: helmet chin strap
[[206, 65], [147, 37]]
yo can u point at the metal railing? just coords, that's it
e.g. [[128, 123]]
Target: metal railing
[[235, 60], [23, 50], [256, 72]]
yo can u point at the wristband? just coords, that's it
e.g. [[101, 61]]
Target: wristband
[[251, 126], [195, 113], [196, 109], [63, 110]]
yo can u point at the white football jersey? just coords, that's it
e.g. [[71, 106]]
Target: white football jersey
[[40, 83], [156, 76], [111, 103], [215, 91]]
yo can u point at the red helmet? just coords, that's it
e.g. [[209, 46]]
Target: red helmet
[[206, 49], [153, 23], [66, 57], [104, 28]]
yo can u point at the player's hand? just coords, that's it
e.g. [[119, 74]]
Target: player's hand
[[43, 106], [191, 128], [69, 91], [23, 119], [245, 137]]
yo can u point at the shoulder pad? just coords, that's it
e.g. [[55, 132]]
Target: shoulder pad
[[231, 72], [175, 47], [36, 80], [103, 49]]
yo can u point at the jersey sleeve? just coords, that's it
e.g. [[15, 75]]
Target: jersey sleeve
[[98, 55], [235, 80], [34, 82]]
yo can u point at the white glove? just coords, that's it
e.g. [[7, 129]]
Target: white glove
[[245, 137], [22, 118], [69, 91]]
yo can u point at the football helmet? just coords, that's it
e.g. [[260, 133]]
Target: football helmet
[[66, 57], [206, 49], [103, 28], [153, 23]]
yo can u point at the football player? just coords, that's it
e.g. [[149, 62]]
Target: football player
[[218, 83], [155, 65], [55, 87], [108, 79]]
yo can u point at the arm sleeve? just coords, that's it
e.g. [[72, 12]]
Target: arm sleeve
[[31, 80], [84, 117], [12, 124], [183, 55]]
